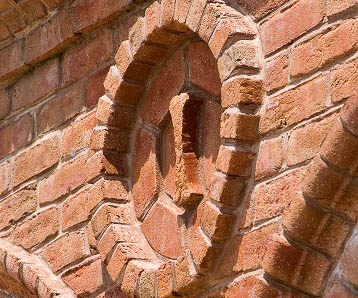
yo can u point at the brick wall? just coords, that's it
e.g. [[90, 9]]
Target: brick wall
[[182, 148]]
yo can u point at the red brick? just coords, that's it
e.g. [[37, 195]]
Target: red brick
[[165, 280], [169, 174], [334, 7], [325, 49], [276, 72], [17, 205], [90, 13], [4, 176], [87, 55], [226, 29], [11, 60], [336, 288], [270, 158], [195, 14], [110, 163], [131, 276], [304, 142], [95, 87], [16, 134], [145, 171], [203, 70], [210, 139], [252, 287], [107, 215], [13, 19], [67, 178], [114, 234], [5, 103], [349, 114], [314, 227], [109, 139], [344, 81], [295, 105], [261, 8], [40, 83], [286, 26], [33, 10], [241, 91], [234, 162], [36, 159], [77, 135], [61, 252], [60, 109], [157, 100], [53, 4], [340, 147], [349, 261], [208, 21], [85, 279], [239, 126], [273, 197], [116, 115], [4, 32], [162, 220], [50, 38], [226, 191], [284, 262], [37, 229]]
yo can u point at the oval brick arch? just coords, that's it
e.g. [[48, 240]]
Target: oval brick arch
[[322, 217], [158, 97], [25, 275]]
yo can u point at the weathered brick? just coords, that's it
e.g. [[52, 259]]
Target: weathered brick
[[286, 26], [110, 139], [4, 176], [226, 191], [49, 38], [241, 91], [334, 7], [13, 19], [71, 175], [157, 101], [61, 252], [195, 13], [162, 220], [349, 269], [349, 114], [11, 60], [203, 70], [295, 105], [33, 87], [85, 279], [95, 87], [283, 262], [60, 109], [337, 288], [165, 280], [36, 159], [325, 49], [5, 103], [90, 13], [16, 134], [4, 32], [276, 72], [53, 4], [17, 205], [37, 229], [234, 162], [344, 81], [304, 142], [87, 56], [33, 10], [270, 158], [78, 134]]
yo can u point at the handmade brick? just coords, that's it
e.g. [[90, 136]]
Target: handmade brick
[[227, 191], [33, 10], [270, 158], [5, 103], [334, 7], [286, 26], [38, 84], [276, 72], [95, 87], [234, 162], [37, 229], [65, 250], [14, 21], [295, 105], [349, 114], [4, 176], [109, 139], [60, 109], [11, 60], [36, 159], [87, 56], [49, 38], [325, 49], [260, 9], [17, 205]]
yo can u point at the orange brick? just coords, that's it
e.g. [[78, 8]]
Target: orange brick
[[276, 72], [4, 176]]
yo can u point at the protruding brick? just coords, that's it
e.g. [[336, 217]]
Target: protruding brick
[[165, 280], [109, 139], [233, 162], [270, 158], [286, 26], [260, 9], [241, 91], [36, 159], [195, 14]]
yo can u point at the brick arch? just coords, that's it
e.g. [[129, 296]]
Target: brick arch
[[25, 275], [155, 40], [320, 219]]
